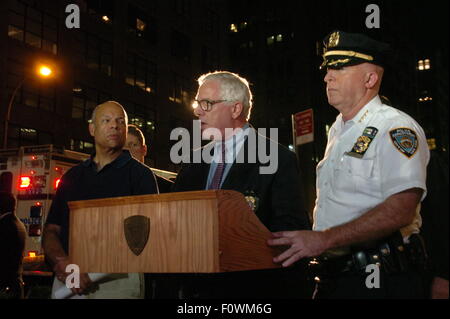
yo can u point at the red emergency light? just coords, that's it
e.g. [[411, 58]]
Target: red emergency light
[[57, 182], [25, 182]]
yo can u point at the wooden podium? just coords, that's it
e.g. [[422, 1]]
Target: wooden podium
[[188, 232]]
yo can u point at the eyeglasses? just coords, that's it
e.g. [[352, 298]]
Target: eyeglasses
[[206, 105]]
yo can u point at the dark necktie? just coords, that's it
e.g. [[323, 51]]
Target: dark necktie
[[218, 174]]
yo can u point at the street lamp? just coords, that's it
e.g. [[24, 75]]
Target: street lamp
[[43, 71]]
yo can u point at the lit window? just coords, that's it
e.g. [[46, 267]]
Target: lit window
[[140, 25], [431, 143], [138, 121], [151, 125], [270, 40], [233, 28], [279, 38], [15, 33], [28, 131], [420, 65], [424, 64], [425, 99], [185, 96]]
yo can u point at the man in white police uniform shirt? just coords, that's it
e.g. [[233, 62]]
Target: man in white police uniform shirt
[[369, 185]]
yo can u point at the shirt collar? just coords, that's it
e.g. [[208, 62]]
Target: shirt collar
[[119, 162], [363, 116], [232, 145], [234, 139], [366, 113]]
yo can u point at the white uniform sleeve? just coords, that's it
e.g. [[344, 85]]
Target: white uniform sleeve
[[403, 166]]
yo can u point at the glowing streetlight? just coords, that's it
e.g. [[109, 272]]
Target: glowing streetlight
[[43, 71]]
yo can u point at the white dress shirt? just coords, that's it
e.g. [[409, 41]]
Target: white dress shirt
[[233, 146]]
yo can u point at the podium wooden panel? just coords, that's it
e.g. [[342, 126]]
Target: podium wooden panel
[[190, 232]]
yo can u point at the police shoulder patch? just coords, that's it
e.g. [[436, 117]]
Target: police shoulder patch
[[405, 140]]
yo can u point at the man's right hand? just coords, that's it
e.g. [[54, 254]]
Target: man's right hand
[[61, 275], [301, 243]]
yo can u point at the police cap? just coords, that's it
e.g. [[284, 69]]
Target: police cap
[[346, 49]]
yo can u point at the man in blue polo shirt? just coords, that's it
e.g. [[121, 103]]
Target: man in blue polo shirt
[[110, 172]]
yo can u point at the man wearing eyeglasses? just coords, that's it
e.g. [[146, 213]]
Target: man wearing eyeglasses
[[223, 106]]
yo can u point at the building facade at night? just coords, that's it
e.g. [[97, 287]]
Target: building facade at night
[[277, 45], [144, 54], [147, 55]]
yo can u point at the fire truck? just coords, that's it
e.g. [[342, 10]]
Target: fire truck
[[32, 174]]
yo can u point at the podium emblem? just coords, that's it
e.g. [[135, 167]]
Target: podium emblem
[[137, 231]]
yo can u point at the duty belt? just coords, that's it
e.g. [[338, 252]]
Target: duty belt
[[392, 255]]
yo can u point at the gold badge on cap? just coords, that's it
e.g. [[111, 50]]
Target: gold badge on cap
[[333, 41]]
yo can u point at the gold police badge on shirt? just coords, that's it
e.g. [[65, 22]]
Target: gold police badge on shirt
[[363, 142], [405, 140], [252, 200]]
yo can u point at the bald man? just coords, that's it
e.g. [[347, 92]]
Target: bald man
[[369, 185], [110, 172]]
